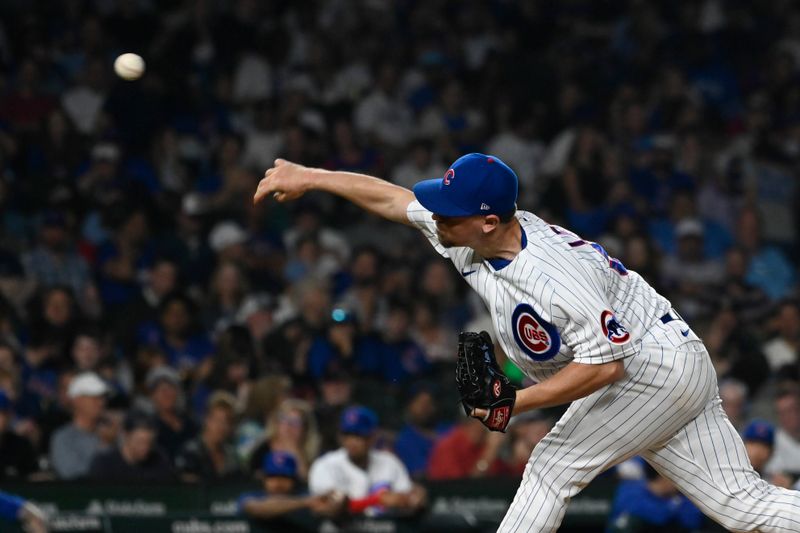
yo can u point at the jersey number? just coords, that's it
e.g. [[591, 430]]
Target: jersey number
[[614, 263]]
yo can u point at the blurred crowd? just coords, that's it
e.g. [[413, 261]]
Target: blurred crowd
[[155, 325]]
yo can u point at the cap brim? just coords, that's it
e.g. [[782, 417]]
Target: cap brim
[[429, 194], [358, 432]]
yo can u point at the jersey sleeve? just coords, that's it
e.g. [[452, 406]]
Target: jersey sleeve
[[401, 481], [423, 220], [588, 323], [320, 478]]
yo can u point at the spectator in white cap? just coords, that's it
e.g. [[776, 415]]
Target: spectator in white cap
[[227, 239], [173, 427], [74, 445], [694, 278]]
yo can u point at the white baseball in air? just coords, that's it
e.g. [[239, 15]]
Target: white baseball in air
[[129, 66]]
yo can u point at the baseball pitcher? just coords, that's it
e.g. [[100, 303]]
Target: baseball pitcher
[[586, 330]]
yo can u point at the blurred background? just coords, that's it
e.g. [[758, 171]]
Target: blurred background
[[157, 328]]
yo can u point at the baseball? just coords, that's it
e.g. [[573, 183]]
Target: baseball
[[129, 66]]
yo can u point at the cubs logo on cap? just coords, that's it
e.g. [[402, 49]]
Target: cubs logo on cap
[[475, 184], [537, 338], [612, 329], [358, 420], [281, 464], [760, 431]]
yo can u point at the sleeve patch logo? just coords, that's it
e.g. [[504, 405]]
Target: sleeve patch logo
[[612, 329], [538, 339]]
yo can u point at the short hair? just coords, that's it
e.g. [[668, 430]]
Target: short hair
[[139, 420], [788, 390], [735, 386], [507, 217], [222, 400]]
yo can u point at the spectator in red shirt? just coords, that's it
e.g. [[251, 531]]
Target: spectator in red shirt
[[525, 432], [466, 451]]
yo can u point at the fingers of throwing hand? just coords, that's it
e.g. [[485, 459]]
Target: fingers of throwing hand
[[263, 190]]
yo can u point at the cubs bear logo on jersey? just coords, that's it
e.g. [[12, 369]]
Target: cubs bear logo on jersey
[[612, 329], [537, 338]]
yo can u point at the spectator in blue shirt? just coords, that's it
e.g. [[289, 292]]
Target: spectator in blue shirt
[[403, 358], [415, 440], [768, 268], [55, 261], [175, 334], [652, 505]]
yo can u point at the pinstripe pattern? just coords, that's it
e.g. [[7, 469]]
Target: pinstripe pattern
[[666, 408]]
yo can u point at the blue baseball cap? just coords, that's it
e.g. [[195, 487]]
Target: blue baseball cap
[[760, 431], [279, 464], [358, 421], [475, 184]]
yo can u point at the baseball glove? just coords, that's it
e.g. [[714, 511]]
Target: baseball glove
[[480, 381]]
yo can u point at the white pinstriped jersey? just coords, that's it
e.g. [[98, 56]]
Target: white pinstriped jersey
[[560, 299]]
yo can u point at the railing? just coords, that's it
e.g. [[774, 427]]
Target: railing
[[454, 506]]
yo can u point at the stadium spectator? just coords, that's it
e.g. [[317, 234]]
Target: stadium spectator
[[430, 332], [136, 458], [465, 451], [759, 440], [421, 163], [768, 268], [372, 480], [160, 280], [338, 346], [17, 456], [176, 335], [74, 446], [650, 505], [736, 350], [291, 429], [692, 277], [173, 427], [402, 359], [786, 456], [335, 394], [228, 289], [414, 442], [745, 299], [86, 350], [263, 398], [525, 433], [357, 288], [783, 349], [211, 456], [55, 261], [382, 114], [283, 493], [734, 396]]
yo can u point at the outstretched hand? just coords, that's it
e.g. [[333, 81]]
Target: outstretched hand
[[284, 181]]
